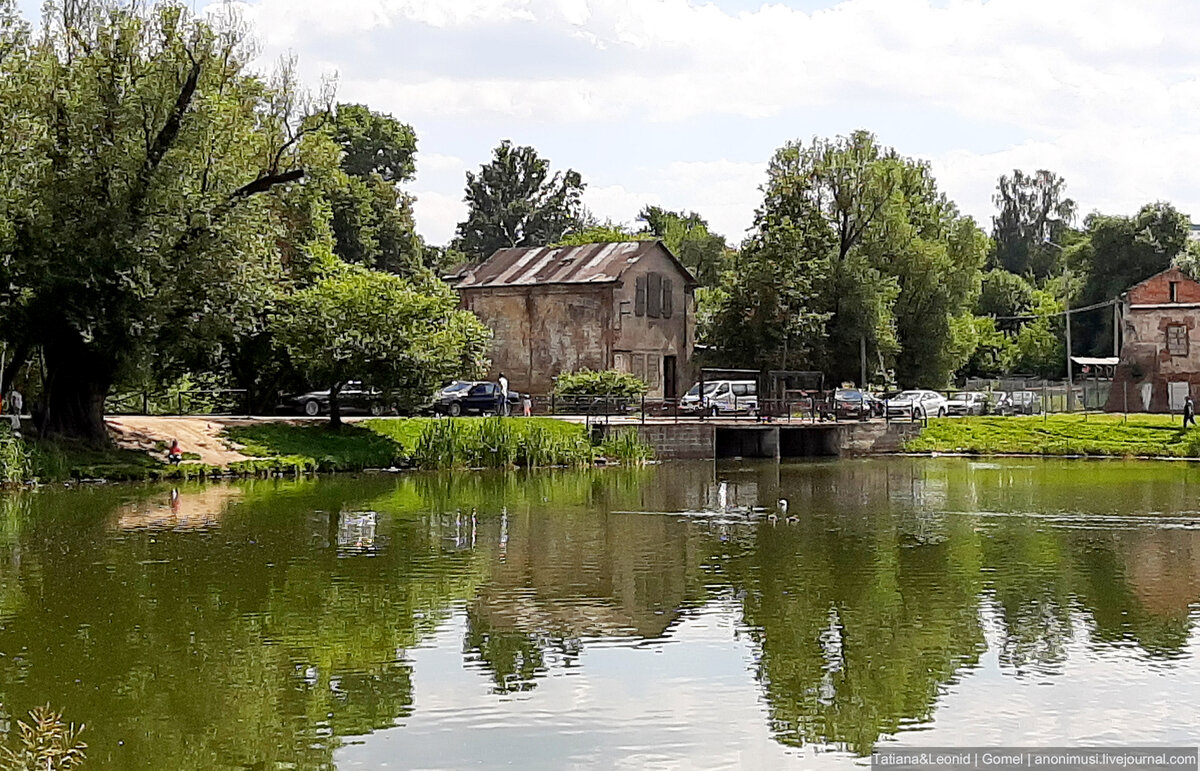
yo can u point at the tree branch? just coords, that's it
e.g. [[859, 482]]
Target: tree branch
[[168, 133], [265, 183]]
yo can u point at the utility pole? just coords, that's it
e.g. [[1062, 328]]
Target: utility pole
[[862, 355], [1066, 319]]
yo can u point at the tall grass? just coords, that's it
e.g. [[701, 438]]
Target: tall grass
[[626, 448], [16, 461], [500, 443]]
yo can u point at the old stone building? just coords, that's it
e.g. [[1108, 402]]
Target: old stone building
[[627, 306], [1158, 364]]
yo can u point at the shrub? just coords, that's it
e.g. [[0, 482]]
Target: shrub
[[609, 382], [16, 462]]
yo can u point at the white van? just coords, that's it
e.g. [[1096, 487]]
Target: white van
[[722, 396]]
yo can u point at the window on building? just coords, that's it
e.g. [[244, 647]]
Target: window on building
[[1174, 291], [1177, 340], [668, 299], [654, 290], [639, 296]]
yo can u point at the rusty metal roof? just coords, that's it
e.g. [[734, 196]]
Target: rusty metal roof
[[532, 265]]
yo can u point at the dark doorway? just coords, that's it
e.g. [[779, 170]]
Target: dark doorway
[[670, 379]]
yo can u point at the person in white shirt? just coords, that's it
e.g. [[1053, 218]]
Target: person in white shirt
[[16, 402], [502, 408]]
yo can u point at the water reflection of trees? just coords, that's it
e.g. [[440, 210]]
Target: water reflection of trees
[[265, 630]]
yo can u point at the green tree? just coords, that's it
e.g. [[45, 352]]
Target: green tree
[[515, 201], [764, 317], [372, 220], [702, 252], [1032, 208], [608, 232], [899, 264], [1039, 347], [1118, 252], [143, 160], [399, 335], [1002, 296]]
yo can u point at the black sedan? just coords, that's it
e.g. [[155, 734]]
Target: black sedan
[[353, 397], [851, 404], [466, 397]]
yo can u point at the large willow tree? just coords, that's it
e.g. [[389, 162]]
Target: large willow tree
[[141, 168]]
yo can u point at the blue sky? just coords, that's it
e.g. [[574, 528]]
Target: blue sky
[[680, 103]]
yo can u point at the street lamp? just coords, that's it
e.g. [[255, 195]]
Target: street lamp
[[1067, 317]]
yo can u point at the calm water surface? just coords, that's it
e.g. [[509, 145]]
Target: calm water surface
[[608, 618]]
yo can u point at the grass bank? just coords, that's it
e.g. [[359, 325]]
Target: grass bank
[[298, 448], [1141, 436]]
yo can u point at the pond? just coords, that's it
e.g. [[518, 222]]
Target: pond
[[608, 618]]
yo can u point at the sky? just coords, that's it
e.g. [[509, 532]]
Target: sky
[[681, 103]]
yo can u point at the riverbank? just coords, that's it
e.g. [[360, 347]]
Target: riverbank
[[1093, 435], [232, 447]]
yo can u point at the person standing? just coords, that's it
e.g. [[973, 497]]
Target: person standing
[[502, 408], [1189, 411], [16, 402]]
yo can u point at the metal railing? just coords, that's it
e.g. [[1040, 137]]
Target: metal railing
[[218, 401]]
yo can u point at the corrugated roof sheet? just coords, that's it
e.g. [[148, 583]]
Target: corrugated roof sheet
[[524, 266]]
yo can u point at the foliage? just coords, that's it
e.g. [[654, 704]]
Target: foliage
[[144, 193], [1004, 295], [1100, 435], [763, 315], [1039, 347], [1117, 253], [625, 447], [16, 462], [606, 233], [853, 242], [398, 335], [47, 744], [609, 382], [703, 253], [501, 443], [516, 201], [1031, 209], [993, 353], [372, 220]]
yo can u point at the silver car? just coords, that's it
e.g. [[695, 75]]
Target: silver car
[[967, 403], [916, 405]]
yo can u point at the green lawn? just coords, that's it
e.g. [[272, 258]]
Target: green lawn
[[1091, 434]]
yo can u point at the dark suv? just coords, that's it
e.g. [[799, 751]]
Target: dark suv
[[465, 397]]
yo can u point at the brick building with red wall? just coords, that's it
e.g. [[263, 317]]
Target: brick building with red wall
[[1158, 365]]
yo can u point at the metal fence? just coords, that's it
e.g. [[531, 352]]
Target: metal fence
[[223, 401]]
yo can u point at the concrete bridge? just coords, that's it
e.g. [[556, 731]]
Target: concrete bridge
[[710, 439]]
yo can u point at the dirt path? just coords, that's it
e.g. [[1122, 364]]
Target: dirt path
[[196, 435]]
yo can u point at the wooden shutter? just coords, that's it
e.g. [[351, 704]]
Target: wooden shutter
[[639, 298], [654, 295], [668, 299]]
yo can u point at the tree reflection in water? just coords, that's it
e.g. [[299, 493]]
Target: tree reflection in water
[[266, 622]]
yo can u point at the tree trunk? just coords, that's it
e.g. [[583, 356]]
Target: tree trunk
[[335, 407], [78, 380]]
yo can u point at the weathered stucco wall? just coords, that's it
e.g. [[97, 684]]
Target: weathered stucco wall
[[642, 342], [540, 331]]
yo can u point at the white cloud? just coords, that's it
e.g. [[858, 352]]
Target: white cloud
[[1105, 92]]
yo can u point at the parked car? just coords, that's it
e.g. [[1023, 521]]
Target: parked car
[[851, 404], [353, 397], [464, 397], [917, 404], [722, 396], [1019, 403], [967, 403]]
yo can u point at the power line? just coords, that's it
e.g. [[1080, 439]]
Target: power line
[[1073, 311]]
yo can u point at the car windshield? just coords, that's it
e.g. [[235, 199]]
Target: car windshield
[[456, 386], [962, 397], [909, 395], [848, 395], [709, 387]]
